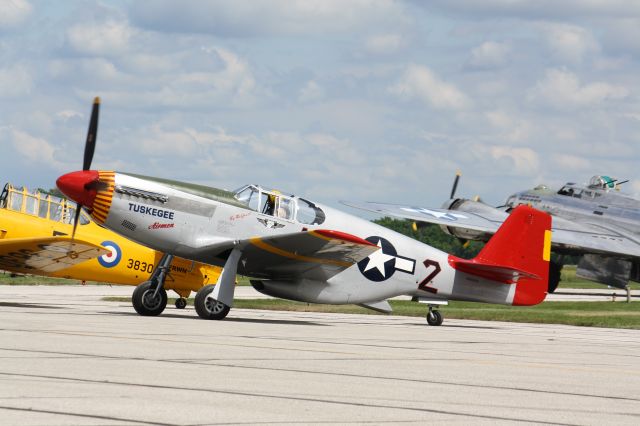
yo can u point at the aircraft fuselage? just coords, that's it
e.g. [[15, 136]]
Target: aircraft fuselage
[[184, 219]]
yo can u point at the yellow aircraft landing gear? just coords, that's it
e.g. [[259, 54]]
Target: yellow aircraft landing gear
[[181, 303], [150, 297]]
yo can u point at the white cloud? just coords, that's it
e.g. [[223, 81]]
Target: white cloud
[[522, 160], [622, 35], [311, 92], [93, 71], [526, 9], [384, 44], [269, 17], [106, 38], [202, 78], [573, 163], [233, 84], [15, 81], [569, 43], [156, 141], [34, 149], [422, 83], [513, 129], [68, 114], [562, 89], [489, 54], [13, 13]]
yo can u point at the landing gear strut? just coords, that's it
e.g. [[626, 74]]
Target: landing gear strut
[[150, 297], [215, 302], [434, 317]]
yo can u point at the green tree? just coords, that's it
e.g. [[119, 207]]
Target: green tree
[[434, 236]]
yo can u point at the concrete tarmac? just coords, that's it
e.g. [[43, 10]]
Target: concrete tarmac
[[68, 358]]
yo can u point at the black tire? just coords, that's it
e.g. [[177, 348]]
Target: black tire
[[434, 318], [208, 308], [555, 269], [181, 303], [145, 304]]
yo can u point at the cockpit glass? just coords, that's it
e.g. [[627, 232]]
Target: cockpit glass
[[84, 218], [249, 196], [308, 213], [566, 190]]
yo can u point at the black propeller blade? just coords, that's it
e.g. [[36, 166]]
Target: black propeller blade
[[92, 133], [76, 219], [455, 185], [89, 149]]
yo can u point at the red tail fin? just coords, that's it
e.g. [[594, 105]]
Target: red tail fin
[[519, 253]]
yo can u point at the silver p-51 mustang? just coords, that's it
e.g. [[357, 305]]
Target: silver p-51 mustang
[[297, 249]]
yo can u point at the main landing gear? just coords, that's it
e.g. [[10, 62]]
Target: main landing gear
[[150, 297], [215, 302]]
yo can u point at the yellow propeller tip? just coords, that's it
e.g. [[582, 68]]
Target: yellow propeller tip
[[96, 100]]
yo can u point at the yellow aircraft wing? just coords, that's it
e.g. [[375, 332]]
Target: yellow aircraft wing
[[45, 255]]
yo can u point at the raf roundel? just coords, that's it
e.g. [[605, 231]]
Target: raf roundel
[[112, 258]]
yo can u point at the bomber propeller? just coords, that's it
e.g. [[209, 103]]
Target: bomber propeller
[[455, 185]]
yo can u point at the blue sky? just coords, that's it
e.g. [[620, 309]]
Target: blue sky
[[358, 100]]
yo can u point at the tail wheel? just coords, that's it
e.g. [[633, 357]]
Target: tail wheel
[[208, 308], [147, 302], [181, 303], [434, 318], [555, 270]]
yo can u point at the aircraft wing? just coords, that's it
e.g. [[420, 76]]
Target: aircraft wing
[[593, 238], [318, 254], [478, 221], [483, 220], [50, 254]]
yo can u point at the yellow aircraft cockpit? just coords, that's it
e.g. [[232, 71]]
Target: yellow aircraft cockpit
[[41, 204]]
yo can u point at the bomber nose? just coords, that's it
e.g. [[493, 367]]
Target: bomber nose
[[80, 186]]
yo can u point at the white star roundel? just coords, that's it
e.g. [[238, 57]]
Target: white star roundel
[[383, 263]]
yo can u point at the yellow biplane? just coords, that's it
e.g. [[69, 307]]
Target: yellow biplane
[[35, 238]]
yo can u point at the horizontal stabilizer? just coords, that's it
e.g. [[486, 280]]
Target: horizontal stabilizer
[[503, 274]]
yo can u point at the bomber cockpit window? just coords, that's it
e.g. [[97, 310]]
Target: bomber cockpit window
[[566, 190], [308, 213]]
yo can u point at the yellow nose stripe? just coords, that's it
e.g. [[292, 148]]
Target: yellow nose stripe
[[102, 202]]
